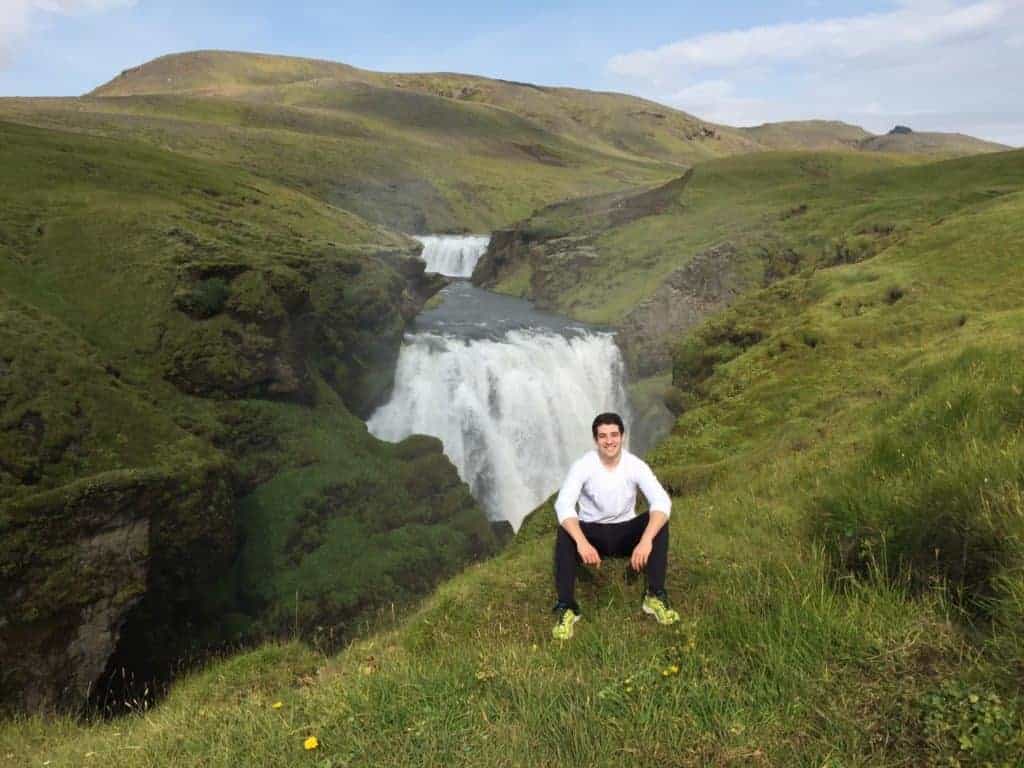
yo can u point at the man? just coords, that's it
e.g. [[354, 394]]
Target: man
[[604, 484]]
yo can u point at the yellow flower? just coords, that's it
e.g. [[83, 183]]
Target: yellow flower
[[277, 704], [311, 743]]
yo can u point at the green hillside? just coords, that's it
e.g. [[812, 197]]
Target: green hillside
[[609, 122], [402, 152], [846, 545], [418, 152], [625, 260], [184, 351]]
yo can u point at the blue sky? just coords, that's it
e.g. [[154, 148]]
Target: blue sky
[[931, 64]]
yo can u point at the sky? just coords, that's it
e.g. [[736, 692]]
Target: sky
[[945, 65]]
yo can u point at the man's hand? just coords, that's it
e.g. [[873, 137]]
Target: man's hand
[[641, 552], [588, 554]]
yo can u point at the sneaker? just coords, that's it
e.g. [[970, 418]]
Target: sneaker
[[657, 606], [567, 617]]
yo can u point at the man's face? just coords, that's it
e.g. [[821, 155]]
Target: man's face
[[609, 441]]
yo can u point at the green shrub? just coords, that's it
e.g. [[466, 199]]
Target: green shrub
[[205, 299], [715, 344], [971, 726]]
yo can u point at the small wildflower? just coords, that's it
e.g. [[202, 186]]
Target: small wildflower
[[311, 743], [277, 704]]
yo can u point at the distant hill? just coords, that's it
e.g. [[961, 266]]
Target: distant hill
[[413, 152], [835, 135], [931, 143], [615, 122], [808, 134]]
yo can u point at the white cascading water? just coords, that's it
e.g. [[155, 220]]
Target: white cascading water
[[453, 255], [513, 412]]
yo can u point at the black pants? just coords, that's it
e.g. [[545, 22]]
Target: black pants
[[610, 540]]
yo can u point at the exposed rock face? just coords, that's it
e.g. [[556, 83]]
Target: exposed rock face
[[78, 559], [706, 285], [554, 264]]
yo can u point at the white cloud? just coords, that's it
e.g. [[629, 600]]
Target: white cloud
[[19, 18], [922, 56], [910, 29]]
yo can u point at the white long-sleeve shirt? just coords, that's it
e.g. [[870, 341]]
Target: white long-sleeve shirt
[[609, 495]]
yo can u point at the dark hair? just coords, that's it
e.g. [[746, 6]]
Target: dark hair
[[607, 418]]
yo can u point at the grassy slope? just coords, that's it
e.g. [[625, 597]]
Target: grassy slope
[[802, 394], [931, 143], [99, 243], [766, 205], [405, 156], [412, 161]]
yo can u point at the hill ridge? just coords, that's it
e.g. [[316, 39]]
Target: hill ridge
[[281, 70]]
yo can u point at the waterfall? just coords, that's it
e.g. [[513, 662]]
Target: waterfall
[[513, 411], [453, 255]]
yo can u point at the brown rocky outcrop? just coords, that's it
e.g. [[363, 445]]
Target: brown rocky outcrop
[[705, 285], [78, 560]]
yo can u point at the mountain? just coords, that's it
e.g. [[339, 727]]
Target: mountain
[[610, 122]]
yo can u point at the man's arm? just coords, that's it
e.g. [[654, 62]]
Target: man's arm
[[565, 509], [588, 554], [642, 551], [661, 508]]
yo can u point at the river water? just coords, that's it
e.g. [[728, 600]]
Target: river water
[[509, 390]]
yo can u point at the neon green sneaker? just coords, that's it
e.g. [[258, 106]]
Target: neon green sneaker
[[567, 617], [657, 606]]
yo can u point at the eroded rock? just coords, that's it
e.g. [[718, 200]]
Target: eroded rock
[[705, 285]]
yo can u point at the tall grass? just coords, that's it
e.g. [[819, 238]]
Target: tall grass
[[938, 495]]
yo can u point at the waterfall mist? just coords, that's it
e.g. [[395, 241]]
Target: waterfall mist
[[513, 412]]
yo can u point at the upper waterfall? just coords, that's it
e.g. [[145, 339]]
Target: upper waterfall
[[509, 391], [453, 255]]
